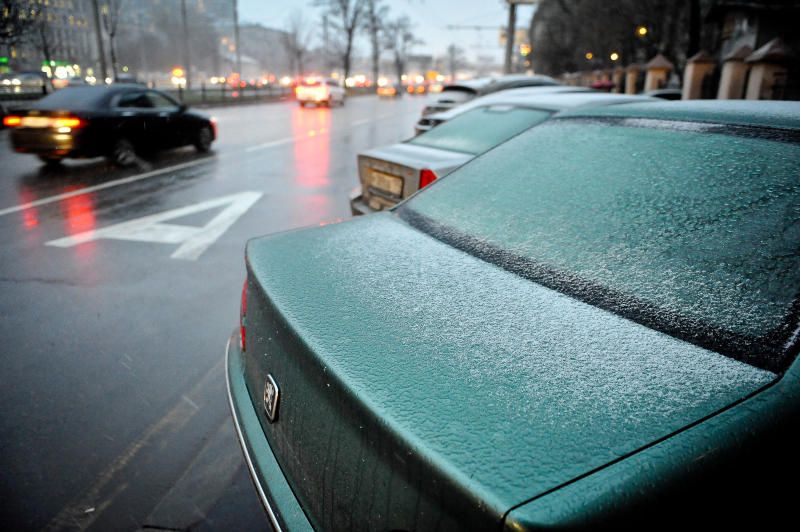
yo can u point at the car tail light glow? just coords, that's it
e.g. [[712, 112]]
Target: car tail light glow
[[68, 121], [242, 318], [213, 122], [426, 177], [12, 121]]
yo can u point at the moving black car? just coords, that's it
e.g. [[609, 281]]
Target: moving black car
[[117, 122]]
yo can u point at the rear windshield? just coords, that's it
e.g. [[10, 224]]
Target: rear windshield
[[72, 98], [480, 129], [690, 232]]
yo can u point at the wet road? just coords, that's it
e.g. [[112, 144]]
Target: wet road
[[114, 408]]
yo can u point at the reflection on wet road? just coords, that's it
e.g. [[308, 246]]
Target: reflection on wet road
[[115, 414]]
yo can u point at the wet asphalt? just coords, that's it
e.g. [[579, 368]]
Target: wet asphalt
[[114, 409]]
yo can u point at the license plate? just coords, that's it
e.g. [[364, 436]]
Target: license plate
[[35, 121], [390, 183]]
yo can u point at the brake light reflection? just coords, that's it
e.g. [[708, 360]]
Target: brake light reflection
[[312, 153], [79, 217]]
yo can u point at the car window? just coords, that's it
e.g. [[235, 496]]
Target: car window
[[72, 98], [693, 233], [481, 129], [159, 101], [136, 100]]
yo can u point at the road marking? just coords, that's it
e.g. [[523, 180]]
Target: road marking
[[194, 240], [166, 169], [101, 186], [272, 144], [108, 485]]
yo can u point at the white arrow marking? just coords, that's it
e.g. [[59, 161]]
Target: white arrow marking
[[194, 240]]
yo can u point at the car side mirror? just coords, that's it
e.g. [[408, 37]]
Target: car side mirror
[[182, 108]]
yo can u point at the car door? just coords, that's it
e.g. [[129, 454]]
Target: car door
[[167, 121], [134, 117]]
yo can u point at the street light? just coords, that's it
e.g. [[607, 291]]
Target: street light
[[614, 56], [589, 56], [641, 31]]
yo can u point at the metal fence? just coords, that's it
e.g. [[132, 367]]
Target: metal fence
[[221, 93]]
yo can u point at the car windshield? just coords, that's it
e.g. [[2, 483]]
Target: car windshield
[[480, 129], [690, 230], [74, 98]]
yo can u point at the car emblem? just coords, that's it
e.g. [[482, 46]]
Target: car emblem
[[271, 398]]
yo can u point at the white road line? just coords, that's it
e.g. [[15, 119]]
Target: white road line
[[101, 186], [272, 144], [166, 169]]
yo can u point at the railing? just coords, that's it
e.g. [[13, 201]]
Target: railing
[[221, 93]]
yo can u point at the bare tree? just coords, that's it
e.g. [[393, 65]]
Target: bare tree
[[455, 59], [296, 40], [17, 20], [111, 14], [345, 18], [570, 35], [399, 39], [375, 14]]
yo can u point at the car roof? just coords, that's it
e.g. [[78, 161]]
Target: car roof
[[774, 114], [470, 85], [549, 98], [519, 80]]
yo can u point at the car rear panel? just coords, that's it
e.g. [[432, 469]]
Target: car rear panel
[[391, 174], [422, 388]]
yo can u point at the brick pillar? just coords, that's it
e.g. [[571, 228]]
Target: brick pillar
[[767, 64], [631, 76], [658, 69], [734, 72], [698, 67]]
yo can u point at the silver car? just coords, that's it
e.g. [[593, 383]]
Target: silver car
[[431, 120], [455, 94], [392, 173]]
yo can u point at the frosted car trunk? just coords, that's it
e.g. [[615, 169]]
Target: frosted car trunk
[[416, 405]]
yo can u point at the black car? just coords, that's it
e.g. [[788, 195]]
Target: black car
[[117, 122]]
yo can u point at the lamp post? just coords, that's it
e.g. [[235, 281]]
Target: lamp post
[[511, 30]]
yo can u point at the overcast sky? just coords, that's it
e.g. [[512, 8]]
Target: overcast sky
[[430, 17]]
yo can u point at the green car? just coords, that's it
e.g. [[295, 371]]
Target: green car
[[593, 324]]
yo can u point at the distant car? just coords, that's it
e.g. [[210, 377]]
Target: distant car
[[592, 326], [319, 92], [392, 173], [431, 120], [33, 83], [117, 121], [388, 91], [454, 94]]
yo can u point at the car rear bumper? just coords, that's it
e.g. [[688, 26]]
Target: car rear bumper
[[282, 508], [45, 142]]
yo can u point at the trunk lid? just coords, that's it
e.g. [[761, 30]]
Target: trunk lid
[[390, 174], [423, 388]]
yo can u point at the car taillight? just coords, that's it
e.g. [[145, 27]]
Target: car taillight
[[242, 316], [426, 177], [72, 122], [12, 121], [213, 122]]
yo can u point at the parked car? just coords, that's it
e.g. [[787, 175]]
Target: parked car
[[319, 92], [392, 173], [116, 121], [592, 325], [431, 120], [454, 94]]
